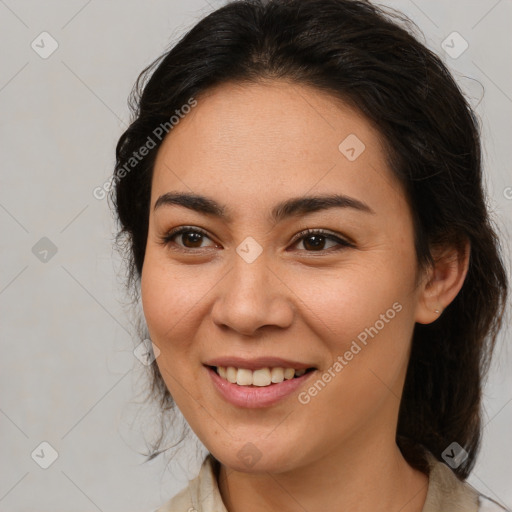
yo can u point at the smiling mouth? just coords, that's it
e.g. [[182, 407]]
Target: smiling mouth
[[262, 377]]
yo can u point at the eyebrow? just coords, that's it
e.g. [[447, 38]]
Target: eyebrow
[[292, 207]]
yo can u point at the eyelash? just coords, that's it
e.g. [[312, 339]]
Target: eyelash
[[167, 238]]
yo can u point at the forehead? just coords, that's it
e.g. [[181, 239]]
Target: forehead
[[250, 141]]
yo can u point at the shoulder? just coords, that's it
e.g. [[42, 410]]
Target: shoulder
[[201, 494], [447, 492], [486, 504], [183, 501]]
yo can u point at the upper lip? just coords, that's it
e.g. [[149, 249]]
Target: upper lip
[[257, 362]]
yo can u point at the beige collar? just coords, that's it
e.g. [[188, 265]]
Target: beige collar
[[445, 492]]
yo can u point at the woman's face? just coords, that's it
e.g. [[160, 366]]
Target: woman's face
[[246, 290]]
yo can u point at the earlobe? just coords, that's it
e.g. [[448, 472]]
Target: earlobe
[[442, 282]]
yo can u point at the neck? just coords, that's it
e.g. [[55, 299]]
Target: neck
[[358, 476]]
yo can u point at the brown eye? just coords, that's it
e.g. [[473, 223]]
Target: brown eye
[[315, 240], [191, 238]]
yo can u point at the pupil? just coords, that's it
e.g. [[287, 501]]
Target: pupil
[[319, 241], [192, 237]]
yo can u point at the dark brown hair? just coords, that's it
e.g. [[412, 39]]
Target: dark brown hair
[[369, 58]]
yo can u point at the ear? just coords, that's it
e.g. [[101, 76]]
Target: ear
[[442, 282]]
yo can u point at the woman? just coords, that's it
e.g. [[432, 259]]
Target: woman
[[300, 198]]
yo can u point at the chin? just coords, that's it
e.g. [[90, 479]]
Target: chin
[[257, 456]]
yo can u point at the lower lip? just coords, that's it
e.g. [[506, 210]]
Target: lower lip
[[255, 396]]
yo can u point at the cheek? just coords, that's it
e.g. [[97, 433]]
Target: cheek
[[363, 381], [355, 296], [170, 298], [168, 309], [165, 304], [159, 299], [369, 312], [174, 301]]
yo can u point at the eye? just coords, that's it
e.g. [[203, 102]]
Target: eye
[[316, 239], [191, 237]]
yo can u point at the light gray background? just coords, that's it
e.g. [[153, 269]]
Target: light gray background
[[68, 374]]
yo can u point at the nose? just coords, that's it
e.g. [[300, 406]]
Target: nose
[[252, 296]]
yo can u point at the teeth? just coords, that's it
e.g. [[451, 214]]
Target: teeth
[[244, 377], [261, 377], [289, 373], [277, 375], [231, 374]]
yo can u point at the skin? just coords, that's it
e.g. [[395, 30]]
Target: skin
[[249, 147]]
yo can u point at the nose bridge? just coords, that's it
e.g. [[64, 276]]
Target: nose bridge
[[251, 267], [251, 295], [250, 276]]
